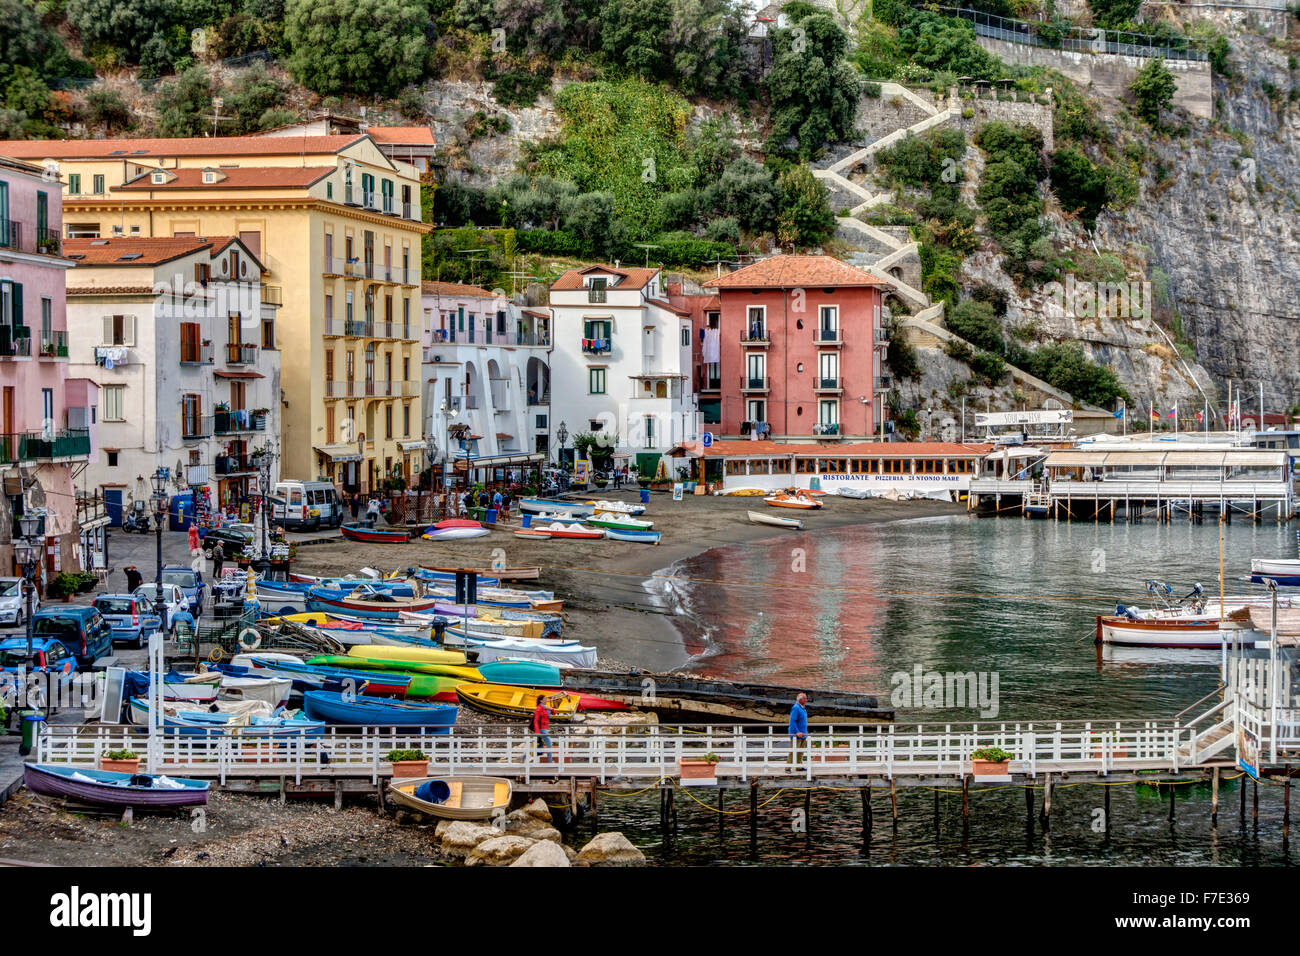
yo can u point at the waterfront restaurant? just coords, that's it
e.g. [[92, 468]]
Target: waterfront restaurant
[[921, 468]]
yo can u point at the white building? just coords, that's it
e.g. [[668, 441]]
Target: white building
[[179, 334], [485, 368], [622, 361]]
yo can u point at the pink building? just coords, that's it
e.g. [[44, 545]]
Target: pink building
[[44, 418], [793, 350]]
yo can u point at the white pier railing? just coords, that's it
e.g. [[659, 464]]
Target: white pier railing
[[647, 752]]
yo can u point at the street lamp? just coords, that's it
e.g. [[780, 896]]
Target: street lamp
[[442, 470], [159, 480], [265, 458], [27, 553], [562, 435]]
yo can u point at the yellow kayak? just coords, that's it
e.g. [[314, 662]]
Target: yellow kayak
[[415, 654], [362, 654], [506, 701]]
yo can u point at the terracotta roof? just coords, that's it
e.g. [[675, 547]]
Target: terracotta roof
[[193, 146], [536, 313], [899, 449], [252, 177], [402, 135], [456, 289], [795, 272], [665, 304], [631, 278], [151, 250], [113, 290]]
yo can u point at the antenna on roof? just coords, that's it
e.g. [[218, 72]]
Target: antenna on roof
[[647, 246], [215, 115]]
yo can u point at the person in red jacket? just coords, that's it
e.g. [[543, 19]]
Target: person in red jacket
[[542, 723]]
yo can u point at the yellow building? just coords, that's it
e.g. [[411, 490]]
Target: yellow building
[[337, 225]]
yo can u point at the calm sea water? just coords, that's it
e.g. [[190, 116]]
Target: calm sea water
[[851, 608]]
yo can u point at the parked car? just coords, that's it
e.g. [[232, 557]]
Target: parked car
[[131, 618], [48, 656], [174, 601], [189, 581], [13, 604], [233, 539], [80, 628]]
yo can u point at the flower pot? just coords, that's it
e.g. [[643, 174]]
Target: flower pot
[[697, 770], [410, 768], [989, 768], [831, 754], [120, 766]]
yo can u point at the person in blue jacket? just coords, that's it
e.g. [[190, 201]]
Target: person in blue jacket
[[798, 729]]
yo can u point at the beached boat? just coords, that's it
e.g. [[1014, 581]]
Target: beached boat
[[506, 701], [454, 534], [757, 517], [520, 673], [799, 500], [489, 575], [573, 508], [637, 537], [854, 492], [457, 671], [365, 602], [684, 698], [378, 683], [618, 507], [418, 655], [356, 532], [563, 517], [270, 690], [484, 621], [453, 798], [605, 519], [559, 653], [251, 717], [422, 685], [336, 708], [558, 530], [531, 533], [107, 788]]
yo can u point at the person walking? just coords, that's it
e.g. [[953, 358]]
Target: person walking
[[541, 724], [372, 512], [133, 578], [218, 559], [194, 537], [798, 731]]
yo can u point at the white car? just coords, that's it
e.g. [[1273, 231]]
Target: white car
[[13, 605], [174, 601]]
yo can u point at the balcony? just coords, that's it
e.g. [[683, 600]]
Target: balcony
[[390, 207], [15, 341], [710, 385], [882, 336], [826, 428], [226, 465], [596, 294], [350, 196], [751, 383], [54, 345], [368, 199], [884, 383], [194, 427], [238, 353], [355, 328], [824, 384], [16, 237], [410, 211], [271, 295], [407, 389], [829, 337], [201, 356], [540, 339], [117, 355], [44, 446], [196, 474], [238, 420], [756, 337], [597, 346]]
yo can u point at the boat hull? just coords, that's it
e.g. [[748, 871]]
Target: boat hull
[[468, 798], [334, 708], [374, 535], [757, 517], [1126, 632], [110, 789]]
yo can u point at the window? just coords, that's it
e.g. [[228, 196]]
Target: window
[[756, 411], [74, 183], [47, 320], [119, 330], [47, 408], [406, 318], [596, 381], [686, 337], [112, 459], [113, 395], [209, 177], [597, 328], [406, 420], [757, 367], [158, 179], [99, 184], [268, 333], [190, 343], [388, 421], [828, 412], [329, 424], [756, 327], [828, 364], [329, 309]]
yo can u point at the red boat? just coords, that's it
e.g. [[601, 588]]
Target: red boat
[[354, 532], [458, 523]]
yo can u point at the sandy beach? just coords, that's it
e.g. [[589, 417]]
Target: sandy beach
[[604, 583]]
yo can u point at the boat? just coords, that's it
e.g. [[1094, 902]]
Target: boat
[[226, 717], [177, 686], [507, 701], [573, 508], [453, 798], [558, 530], [559, 653], [365, 602], [336, 708], [422, 685], [458, 672], [797, 500], [487, 574], [531, 533], [356, 532], [563, 517], [454, 534], [360, 680], [685, 698], [757, 517], [638, 537], [1281, 571], [618, 507], [604, 519], [108, 788], [1190, 632], [484, 621], [854, 492], [520, 673], [418, 655]]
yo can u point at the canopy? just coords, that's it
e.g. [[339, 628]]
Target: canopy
[[342, 451]]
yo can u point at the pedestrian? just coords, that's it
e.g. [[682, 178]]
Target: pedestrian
[[133, 578], [218, 559], [354, 506], [194, 537], [497, 502], [372, 512], [541, 724], [798, 730]]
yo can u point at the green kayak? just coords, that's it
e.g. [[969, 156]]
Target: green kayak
[[422, 685]]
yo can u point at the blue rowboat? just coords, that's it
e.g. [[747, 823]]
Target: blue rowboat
[[449, 577], [108, 788], [335, 708], [639, 537], [364, 602], [521, 673], [220, 723]]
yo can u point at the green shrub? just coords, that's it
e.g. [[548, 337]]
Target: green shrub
[[393, 756], [992, 754]]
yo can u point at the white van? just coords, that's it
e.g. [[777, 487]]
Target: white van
[[307, 504]]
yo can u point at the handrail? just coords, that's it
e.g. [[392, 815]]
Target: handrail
[[1192, 706]]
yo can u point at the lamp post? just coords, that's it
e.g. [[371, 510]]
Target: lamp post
[[561, 435], [265, 458], [430, 449], [442, 469], [159, 480], [27, 552]]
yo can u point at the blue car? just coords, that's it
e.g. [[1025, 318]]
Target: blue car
[[131, 618], [189, 581], [79, 628], [48, 656]]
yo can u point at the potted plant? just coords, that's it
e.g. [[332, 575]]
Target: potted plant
[[120, 761], [701, 768], [831, 751], [408, 763], [64, 586], [990, 762]]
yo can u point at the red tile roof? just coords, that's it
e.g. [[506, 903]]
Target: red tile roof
[[899, 449], [152, 250], [193, 146], [252, 177], [456, 289], [113, 290], [402, 135], [795, 272], [631, 278]]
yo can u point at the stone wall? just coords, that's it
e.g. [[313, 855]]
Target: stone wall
[[1110, 74], [988, 108]]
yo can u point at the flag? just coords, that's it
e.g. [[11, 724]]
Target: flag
[[1155, 415], [1119, 413], [1172, 413]]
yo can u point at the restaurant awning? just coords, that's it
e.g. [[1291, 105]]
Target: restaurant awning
[[1074, 459], [411, 444], [339, 452], [1118, 459], [498, 461], [1202, 458], [1255, 457]]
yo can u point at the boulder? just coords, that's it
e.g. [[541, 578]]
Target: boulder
[[459, 839], [499, 851], [610, 849], [538, 809], [524, 823], [543, 853]]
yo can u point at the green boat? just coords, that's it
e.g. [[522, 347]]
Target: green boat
[[422, 685], [607, 519]]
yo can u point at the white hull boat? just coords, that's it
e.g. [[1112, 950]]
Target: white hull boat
[[776, 521], [269, 690]]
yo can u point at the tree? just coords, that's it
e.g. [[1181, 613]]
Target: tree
[[1113, 14], [1079, 183], [632, 35], [253, 94], [106, 108], [748, 192], [185, 103], [1153, 88], [805, 218], [356, 46], [23, 41], [1064, 365], [124, 25], [590, 217], [977, 323], [814, 92]]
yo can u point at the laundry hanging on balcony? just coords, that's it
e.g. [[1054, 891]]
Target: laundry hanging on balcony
[[711, 349]]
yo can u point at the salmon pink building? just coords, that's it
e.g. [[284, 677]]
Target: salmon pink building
[[793, 350]]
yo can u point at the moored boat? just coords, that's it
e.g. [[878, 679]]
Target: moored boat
[[637, 537], [336, 708], [107, 788], [508, 701], [605, 519], [1189, 632], [575, 508], [799, 500], [558, 530]]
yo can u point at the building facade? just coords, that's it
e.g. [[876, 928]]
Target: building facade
[[177, 336], [45, 418], [794, 351], [335, 224], [621, 361]]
